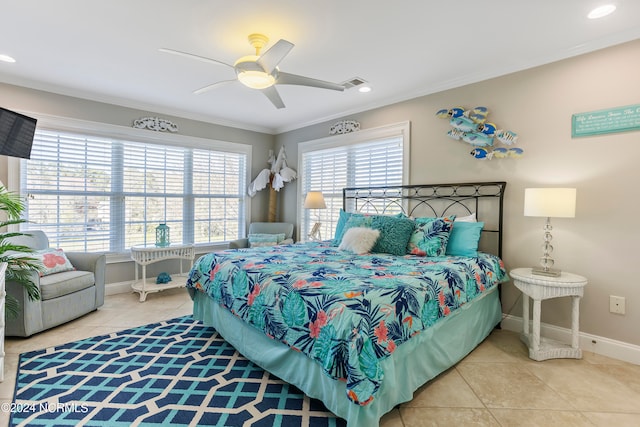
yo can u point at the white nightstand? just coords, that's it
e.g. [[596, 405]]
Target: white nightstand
[[540, 288]]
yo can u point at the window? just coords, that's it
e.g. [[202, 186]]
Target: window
[[94, 193], [366, 158]]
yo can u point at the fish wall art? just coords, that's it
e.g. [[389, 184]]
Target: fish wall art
[[471, 126]]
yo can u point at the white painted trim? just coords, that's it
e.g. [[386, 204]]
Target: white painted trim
[[600, 345]]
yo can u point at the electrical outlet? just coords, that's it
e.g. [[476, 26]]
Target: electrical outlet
[[616, 304]]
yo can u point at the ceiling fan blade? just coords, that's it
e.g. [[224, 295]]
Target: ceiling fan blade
[[272, 57], [192, 56], [272, 93], [212, 86], [293, 79]]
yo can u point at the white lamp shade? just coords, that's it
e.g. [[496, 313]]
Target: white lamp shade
[[314, 200], [550, 202]]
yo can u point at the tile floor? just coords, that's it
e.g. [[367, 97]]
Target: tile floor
[[495, 385]]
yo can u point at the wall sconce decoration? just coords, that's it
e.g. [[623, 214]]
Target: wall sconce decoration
[[471, 126], [155, 123]]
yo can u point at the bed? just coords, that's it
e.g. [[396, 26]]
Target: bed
[[362, 331]]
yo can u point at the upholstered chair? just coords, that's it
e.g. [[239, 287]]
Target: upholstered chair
[[65, 295]]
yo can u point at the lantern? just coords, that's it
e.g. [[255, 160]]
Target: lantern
[[162, 235]]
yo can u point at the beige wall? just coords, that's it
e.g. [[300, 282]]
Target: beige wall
[[601, 243], [39, 102]]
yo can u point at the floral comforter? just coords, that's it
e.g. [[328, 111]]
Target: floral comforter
[[346, 311]]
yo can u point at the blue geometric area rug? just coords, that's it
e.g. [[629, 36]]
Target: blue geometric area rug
[[172, 373]]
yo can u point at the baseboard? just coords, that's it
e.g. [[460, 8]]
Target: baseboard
[[118, 288], [599, 345]]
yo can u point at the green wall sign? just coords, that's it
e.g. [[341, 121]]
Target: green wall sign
[[619, 119]]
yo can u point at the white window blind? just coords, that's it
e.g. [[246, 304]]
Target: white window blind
[[102, 194], [364, 160]]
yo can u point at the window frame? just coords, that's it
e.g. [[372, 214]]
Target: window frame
[[105, 130], [401, 129]]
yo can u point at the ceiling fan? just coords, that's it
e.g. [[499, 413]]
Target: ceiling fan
[[261, 71]]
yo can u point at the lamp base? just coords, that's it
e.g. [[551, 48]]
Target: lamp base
[[549, 272], [315, 232]]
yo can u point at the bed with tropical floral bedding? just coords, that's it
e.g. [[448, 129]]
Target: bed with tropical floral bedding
[[346, 311], [406, 289]]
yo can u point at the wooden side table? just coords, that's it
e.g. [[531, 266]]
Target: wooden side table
[[145, 255], [540, 288]]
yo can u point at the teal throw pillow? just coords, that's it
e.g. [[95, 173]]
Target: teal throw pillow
[[430, 236], [395, 233], [341, 226], [464, 239]]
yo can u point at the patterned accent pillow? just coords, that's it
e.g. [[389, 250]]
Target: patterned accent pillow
[[430, 236], [260, 239], [53, 261], [395, 233]]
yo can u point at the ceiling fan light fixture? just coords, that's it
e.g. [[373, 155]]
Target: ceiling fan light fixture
[[256, 79], [251, 74]]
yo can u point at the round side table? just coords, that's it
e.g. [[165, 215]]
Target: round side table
[[540, 288]]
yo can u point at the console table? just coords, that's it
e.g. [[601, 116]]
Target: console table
[[145, 255], [540, 288]]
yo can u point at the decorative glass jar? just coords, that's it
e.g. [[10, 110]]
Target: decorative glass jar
[[162, 235]]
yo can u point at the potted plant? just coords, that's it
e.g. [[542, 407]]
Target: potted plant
[[19, 263]]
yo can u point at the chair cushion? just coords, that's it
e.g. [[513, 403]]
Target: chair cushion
[[67, 282]]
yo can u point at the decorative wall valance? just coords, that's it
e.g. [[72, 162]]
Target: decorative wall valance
[[344, 126], [156, 124]]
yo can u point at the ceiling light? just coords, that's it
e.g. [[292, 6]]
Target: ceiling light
[[6, 58], [256, 79], [364, 89], [251, 75], [601, 11]]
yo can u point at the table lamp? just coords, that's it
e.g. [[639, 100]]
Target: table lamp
[[549, 202], [315, 200]]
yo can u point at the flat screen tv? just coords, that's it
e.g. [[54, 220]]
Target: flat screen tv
[[16, 134]]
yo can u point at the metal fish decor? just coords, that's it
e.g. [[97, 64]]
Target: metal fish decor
[[471, 126]]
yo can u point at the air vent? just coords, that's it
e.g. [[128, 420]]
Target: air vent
[[356, 81]]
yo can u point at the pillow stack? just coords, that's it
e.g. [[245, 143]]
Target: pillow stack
[[399, 235]]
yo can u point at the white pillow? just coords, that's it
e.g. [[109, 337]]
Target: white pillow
[[359, 240], [468, 218]]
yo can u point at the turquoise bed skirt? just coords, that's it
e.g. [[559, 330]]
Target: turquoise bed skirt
[[411, 365]]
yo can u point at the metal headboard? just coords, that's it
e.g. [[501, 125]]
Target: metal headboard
[[485, 199]]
